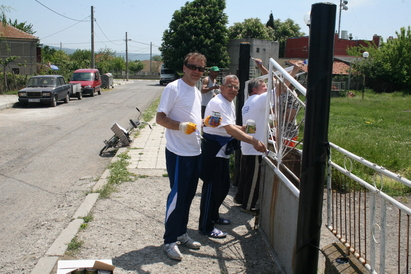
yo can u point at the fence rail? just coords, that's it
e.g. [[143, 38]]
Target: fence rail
[[372, 225]]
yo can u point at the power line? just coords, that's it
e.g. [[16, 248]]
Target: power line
[[59, 13], [64, 29], [106, 35]]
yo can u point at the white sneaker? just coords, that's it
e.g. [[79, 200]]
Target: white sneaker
[[172, 251], [188, 242]]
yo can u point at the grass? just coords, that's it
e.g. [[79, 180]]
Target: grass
[[74, 246], [118, 174], [376, 128], [151, 111], [118, 169]]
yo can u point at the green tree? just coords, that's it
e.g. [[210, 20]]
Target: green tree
[[285, 30], [117, 64], [393, 63], [270, 22], [3, 17], [105, 60], [387, 65], [199, 26], [135, 66], [27, 28], [250, 28], [274, 30], [157, 58]]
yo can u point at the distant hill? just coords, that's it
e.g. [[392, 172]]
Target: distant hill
[[131, 56]]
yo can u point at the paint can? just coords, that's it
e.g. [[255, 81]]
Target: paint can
[[215, 119], [250, 126]]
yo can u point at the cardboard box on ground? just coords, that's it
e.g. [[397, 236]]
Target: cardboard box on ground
[[69, 266]]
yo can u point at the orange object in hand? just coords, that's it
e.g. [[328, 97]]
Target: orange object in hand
[[212, 121], [187, 127]]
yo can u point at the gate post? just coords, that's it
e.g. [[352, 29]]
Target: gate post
[[313, 166], [243, 76]]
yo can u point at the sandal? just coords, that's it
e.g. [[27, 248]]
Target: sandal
[[222, 221], [216, 233]]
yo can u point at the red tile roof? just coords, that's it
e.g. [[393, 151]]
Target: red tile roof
[[338, 67], [11, 32]]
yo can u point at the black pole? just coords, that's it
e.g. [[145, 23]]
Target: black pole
[[313, 166], [243, 76]]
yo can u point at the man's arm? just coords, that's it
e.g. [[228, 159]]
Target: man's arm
[[237, 133], [163, 120], [204, 88]]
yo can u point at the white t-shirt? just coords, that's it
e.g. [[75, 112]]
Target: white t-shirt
[[182, 102], [227, 112], [254, 108]]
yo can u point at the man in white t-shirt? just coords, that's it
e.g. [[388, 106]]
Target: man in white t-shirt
[[219, 142], [179, 112], [209, 86], [254, 108]]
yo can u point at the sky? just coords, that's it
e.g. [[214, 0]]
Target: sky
[[67, 23]]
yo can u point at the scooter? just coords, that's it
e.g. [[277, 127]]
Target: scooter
[[121, 137]]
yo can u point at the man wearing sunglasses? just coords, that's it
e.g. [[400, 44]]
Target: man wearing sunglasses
[[179, 112], [219, 142]]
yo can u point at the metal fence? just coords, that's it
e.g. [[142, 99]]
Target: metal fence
[[372, 225]]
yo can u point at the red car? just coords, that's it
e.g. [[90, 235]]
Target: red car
[[90, 80]]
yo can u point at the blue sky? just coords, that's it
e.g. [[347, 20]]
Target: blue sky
[[57, 22]]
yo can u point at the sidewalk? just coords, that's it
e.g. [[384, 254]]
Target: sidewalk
[[7, 101]]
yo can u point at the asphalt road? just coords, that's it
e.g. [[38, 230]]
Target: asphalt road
[[49, 160]]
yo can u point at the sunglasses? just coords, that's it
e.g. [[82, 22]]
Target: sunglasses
[[232, 87], [194, 67]]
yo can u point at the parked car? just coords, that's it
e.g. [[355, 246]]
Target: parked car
[[90, 80], [45, 89]]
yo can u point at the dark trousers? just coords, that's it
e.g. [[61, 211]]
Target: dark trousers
[[202, 111], [249, 181], [183, 173], [214, 193]]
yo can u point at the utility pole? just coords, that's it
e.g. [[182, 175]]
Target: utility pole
[[343, 6], [93, 61], [151, 58], [126, 57]]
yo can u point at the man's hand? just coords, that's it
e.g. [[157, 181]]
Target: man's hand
[[259, 146], [187, 127]]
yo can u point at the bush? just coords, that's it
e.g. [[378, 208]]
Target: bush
[[15, 82]]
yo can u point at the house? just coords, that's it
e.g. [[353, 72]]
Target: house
[[14, 42], [297, 47], [154, 66]]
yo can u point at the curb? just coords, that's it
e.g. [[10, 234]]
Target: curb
[[6, 106]]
